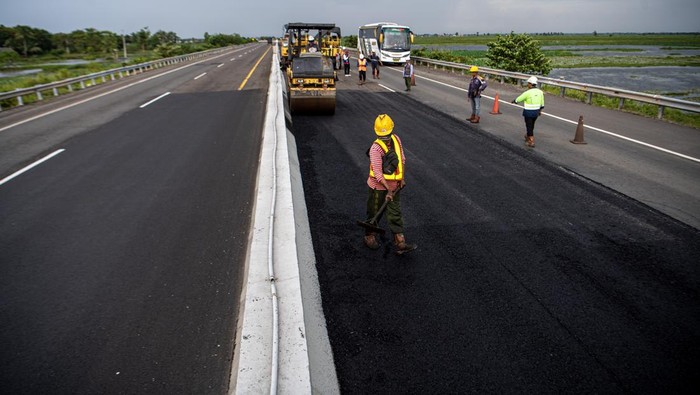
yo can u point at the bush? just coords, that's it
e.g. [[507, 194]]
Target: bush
[[518, 53]]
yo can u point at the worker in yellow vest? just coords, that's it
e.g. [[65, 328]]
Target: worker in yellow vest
[[385, 181], [533, 103]]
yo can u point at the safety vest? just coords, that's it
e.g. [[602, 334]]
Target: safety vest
[[398, 173], [534, 99], [362, 65]]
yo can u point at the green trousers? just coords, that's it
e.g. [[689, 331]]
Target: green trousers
[[375, 199]]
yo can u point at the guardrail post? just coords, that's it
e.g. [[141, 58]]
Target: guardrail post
[[82, 84], [70, 87], [19, 100], [589, 97], [103, 79], [39, 96], [55, 91], [661, 112], [621, 103]]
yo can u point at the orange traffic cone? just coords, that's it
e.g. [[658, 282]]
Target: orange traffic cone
[[495, 110], [578, 139]]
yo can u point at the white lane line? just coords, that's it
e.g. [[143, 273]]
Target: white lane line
[[37, 163], [200, 76], [109, 92], [678, 154], [387, 88], [626, 138], [219, 65], [157, 98]]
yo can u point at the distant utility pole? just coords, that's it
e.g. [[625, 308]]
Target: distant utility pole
[[124, 44]]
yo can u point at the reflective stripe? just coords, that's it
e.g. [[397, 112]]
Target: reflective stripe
[[533, 99], [398, 173], [362, 65]]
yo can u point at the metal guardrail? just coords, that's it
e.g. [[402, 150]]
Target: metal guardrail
[[661, 101], [91, 79]]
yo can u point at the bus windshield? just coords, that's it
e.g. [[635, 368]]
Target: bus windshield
[[396, 39]]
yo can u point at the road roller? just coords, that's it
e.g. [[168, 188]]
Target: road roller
[[309, 69]]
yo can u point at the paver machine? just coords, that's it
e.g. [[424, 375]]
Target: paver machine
[[310, 74]]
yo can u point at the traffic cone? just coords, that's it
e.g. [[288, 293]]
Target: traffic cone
[[578, 139], [495, 110]]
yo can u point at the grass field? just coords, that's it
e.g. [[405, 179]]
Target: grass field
[[679, 41]]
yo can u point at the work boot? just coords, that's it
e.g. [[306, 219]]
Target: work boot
[[401, 246], [475, 119], [530, 141], [471, 119], [371, 241]]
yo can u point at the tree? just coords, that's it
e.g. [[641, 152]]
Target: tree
[[161, 37], [27, 40], [141, 37], [519, 53], [349, 41]]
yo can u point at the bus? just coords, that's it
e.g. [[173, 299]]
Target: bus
[[391, 42]]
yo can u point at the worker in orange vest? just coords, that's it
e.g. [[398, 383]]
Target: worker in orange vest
[[362, 68]]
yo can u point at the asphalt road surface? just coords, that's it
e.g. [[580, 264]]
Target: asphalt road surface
[[528, 278], [122, 256]]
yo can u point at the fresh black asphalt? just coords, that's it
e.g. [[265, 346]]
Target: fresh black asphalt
[[527, 278]]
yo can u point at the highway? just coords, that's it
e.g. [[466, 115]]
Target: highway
[[533, 274], [567, 268], [123, 255]]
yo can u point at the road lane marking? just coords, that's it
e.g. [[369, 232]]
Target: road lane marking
[[219, 65], [387, 88], [157, 98], [678, 154], [109, 92], [200, 76], [626, 138], [37, 163], [253, 69]]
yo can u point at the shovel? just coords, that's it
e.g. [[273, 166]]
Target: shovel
[[371, 224]]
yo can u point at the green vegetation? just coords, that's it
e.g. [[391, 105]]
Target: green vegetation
[[517, 52], [648, 110], [24, 47], [572, 58], [677, 41]]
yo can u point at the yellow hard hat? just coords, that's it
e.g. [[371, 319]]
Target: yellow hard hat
[[383, 125], [473, 69]]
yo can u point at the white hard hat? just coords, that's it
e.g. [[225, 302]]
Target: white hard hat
[[311, 38], [532, 80], [362, 56]]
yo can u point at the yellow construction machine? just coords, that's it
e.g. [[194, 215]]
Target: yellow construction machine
[[310, 66]]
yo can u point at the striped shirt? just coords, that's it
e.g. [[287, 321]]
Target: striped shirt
[[376, 153]]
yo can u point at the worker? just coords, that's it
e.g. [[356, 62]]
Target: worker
[[476, 86], [312, 47], [533, 99], [346, 62], [362, 68], [385, 181], [408, 75]]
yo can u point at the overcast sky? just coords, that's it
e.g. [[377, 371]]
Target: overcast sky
[[252, 18]]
